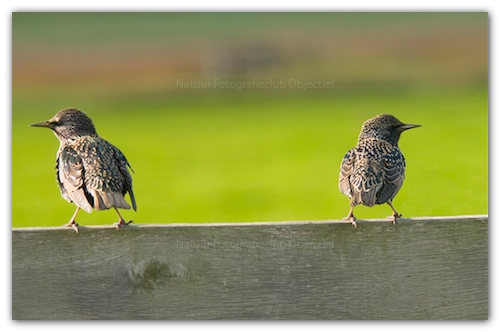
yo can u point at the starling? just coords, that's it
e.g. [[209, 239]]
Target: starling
[[373, 171], [91, 172]]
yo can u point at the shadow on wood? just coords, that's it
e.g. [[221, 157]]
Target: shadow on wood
[[430, 268]]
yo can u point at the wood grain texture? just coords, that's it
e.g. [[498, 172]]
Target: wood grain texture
[[430, 268]]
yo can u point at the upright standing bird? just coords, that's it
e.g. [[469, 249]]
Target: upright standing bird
[[373, 171], [91, 172]]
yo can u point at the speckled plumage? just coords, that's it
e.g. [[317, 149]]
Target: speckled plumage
[[91, 172], [374, 170]]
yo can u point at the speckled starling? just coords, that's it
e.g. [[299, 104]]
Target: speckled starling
[[91, 172], [373, 171]]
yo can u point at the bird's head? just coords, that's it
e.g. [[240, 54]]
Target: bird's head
[[385, 127], [69, 124]]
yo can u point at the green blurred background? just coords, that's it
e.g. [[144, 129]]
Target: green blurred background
[[203, 152]]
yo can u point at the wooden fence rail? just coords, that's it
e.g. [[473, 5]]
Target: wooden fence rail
[[429, 268]]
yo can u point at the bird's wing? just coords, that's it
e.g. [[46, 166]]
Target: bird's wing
[[103, 178], [122, 166], [362, 172], [365, 181], [70, 175], [346, 170], [394, 175]]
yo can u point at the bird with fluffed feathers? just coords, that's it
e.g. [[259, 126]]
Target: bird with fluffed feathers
[[91, 172], [374, 170]]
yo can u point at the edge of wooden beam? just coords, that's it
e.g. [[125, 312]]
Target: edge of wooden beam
[[480, 217]]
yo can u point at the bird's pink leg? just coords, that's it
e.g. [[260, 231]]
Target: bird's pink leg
[[72, 222], [120, 223], [351, 217]]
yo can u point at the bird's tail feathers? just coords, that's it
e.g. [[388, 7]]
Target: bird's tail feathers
[[79, 198], [132, 199], [106, 200], [365, 197]]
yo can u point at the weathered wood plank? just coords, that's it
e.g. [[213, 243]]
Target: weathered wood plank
[[430, 268]]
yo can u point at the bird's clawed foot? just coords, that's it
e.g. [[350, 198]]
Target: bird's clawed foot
[[394, 219], [73, 224], [119, 224], [395, 215], [352, 219]]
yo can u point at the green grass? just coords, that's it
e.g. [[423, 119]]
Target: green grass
[[230, 160], [209, 155]]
